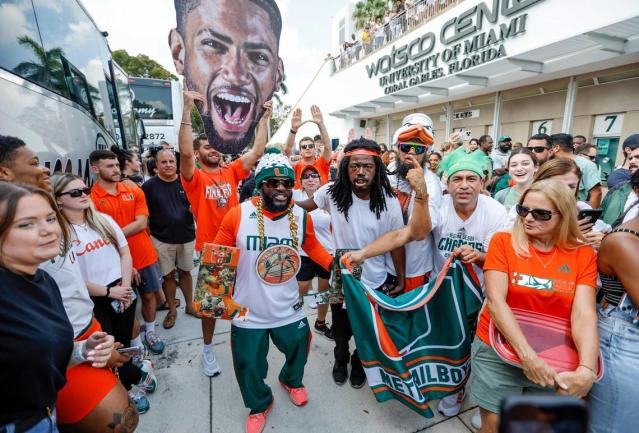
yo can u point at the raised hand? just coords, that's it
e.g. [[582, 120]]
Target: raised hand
[[268, 110], [316, 113], [296, 119], [415, 177]]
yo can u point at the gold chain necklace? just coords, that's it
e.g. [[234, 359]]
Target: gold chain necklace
[[539, 260], [260, 225]]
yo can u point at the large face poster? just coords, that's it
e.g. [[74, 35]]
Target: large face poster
[[228, 51]]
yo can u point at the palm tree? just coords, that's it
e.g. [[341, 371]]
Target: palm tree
[[367, 11], [46, 68]]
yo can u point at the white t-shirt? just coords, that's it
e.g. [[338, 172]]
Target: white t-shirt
[[75, 295], [489, 217], [361, 229], [321, 224], [99, 260], [499, 158], [419, 254], [634, 212]]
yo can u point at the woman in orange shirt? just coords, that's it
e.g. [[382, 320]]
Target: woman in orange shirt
[[542, 268]]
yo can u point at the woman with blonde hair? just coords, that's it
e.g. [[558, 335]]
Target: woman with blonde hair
[[106, 266], [542, 269]]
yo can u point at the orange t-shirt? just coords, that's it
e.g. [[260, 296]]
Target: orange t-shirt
[[123, 207], [544, 283], [212, 195], [320, 164]]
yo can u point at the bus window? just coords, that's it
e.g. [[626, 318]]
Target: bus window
[[125, 104], [152, 102], [77, 85]]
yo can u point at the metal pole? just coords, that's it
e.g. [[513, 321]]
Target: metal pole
[[449, 119], [388, 132], [497, 117], [571, 96]]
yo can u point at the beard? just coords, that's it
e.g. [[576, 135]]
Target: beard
[[271, 206], [403, 168]]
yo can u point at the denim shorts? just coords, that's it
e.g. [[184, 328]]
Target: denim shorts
[[613, 400], [151, 278], [45, 425]]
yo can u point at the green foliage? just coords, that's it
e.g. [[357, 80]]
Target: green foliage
[[280, 113], [141, 66], [367, 11]]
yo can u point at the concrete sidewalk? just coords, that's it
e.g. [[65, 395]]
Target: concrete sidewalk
[[186, 401]]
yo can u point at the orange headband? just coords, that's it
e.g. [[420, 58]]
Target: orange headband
[[365, 152]]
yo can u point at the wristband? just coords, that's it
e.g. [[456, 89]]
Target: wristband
[[79, 355], [292, 131], [108, 294]]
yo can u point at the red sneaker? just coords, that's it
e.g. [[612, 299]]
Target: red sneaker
[[298, 396], [255, 423]]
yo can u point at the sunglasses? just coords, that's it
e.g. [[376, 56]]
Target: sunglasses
[[307, 146], [310, 176], [417, 148], [537, 214], [275, 183], [539, 149], [75, 193], [592, 158]]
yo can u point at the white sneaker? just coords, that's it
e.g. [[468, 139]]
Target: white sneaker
[[451, 404], [475, 421], [310, 302], [210, 367]]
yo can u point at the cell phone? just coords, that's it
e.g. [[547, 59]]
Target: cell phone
[[131, 351], [543, 413], [592, 214]]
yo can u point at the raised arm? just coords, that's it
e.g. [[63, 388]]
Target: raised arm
[[185, 136], [318, 119], [261, 137]]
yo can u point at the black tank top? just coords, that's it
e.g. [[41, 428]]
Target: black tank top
[[613, 290]]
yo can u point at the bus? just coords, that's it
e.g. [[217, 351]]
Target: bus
[[60, 90], [158, 103]]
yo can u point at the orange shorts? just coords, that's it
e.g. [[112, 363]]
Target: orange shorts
[[414, 282], [86, 387]]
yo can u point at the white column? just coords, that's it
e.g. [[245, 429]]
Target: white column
[[449, 120], [569, 108], [497, 117], [388, 132]]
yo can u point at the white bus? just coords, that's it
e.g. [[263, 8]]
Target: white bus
[[60, 90], [159, 104]]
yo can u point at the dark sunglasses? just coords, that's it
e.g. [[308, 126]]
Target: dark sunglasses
[[310, 176], [406, 147], [537, 214], [592, 158], [307, 146], [539, 149], [275, 183], [75, 193]]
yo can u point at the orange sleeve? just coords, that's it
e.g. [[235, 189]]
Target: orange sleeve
[[237, 168], [192, 185], [140, 201], [324, 169], [227, 233], [497, 257], [587, 259], [314, 248]]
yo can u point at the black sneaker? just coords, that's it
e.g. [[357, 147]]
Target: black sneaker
[[358, 377], [323, 329], [340, 373]]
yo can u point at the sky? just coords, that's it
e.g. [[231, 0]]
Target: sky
[[142, 27]]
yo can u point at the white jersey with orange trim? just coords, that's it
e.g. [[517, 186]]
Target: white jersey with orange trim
[[270, 306]]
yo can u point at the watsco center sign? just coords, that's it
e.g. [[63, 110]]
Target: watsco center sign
[[464, 43]]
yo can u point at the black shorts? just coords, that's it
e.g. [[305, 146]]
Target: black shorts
[[309, 270]]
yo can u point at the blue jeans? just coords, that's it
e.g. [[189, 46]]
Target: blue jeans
[[613, 400], [46, 425]]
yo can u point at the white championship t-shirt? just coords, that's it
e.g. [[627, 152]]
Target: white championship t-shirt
[[321, 224], [361, 229], [489, 217], [419, 254], [75, 295], [99, 260]]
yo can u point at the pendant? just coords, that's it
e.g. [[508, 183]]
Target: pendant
[[222, 202], [277, 264]]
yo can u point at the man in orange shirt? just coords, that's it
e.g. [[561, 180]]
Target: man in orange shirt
[[212, 191], [308, 149], [126, 204]]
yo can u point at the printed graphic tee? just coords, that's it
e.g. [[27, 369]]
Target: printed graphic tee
[[361, 229], [545, 282], [489, 217], [212, 195]]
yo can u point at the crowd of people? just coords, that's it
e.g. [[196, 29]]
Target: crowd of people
[[533, 221], [403, 16]]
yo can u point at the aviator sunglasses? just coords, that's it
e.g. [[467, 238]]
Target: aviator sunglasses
[[75, 193], [275, 183], [537, 214], [418, 148]]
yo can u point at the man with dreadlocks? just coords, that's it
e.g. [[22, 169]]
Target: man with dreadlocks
[[362, 208], [268, 230]]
